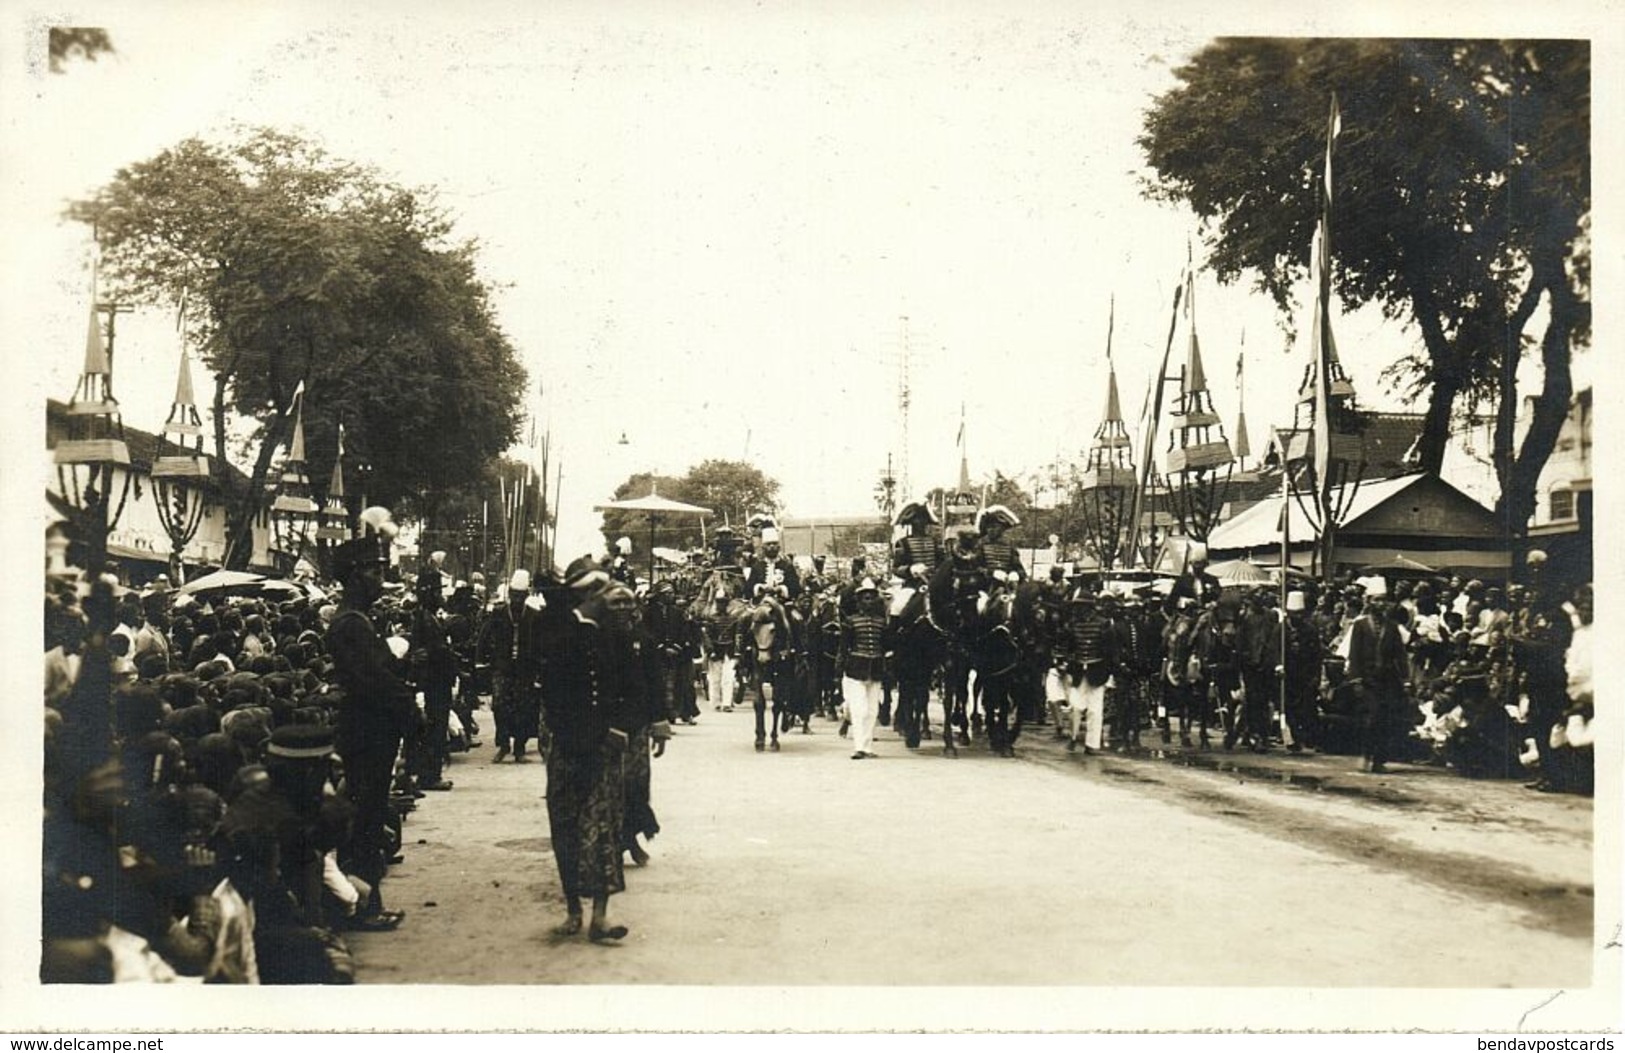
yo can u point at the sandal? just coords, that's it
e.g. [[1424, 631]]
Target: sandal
[[383, 921], [614, 932]]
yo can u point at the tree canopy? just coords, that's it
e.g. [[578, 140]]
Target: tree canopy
[[1461, 201], [76, 42], [733, 490], [294, 267]]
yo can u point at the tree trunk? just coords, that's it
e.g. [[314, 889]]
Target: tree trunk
[[245, 507], [1445, 381], [1551, 406], [1506, 410]]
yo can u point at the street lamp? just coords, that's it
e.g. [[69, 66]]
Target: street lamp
[[178, 477]]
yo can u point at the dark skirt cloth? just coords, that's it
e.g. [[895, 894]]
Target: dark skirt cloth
[[586, 795], [516, 709], [640, 814]]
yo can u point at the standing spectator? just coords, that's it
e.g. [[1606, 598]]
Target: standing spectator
[[434, 668], [1305, 660], [373, 719]]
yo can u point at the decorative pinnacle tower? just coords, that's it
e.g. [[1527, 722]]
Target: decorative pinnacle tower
[[1107, 483], [1199, 457]]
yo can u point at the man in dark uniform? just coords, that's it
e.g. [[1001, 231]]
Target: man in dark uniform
[[434, 670], [1305, 659], [993, 524], [506, 642], [918, 546], [674, 637], [376, 711]]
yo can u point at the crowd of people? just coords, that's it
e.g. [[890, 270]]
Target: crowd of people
[[1491, 680], [226, 777]]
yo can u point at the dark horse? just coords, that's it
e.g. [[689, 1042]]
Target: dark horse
[[973, 610], [919, 651]]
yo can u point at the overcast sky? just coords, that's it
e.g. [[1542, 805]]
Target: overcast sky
[[705, 222]]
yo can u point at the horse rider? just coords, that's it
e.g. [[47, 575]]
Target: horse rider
[[998, 554], [772, 559], [918, 545]]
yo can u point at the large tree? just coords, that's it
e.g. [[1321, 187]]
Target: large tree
[[1462, 196], [294, 267], [732, 490]]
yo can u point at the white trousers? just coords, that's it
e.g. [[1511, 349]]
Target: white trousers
[[863, 705], [1088, 704], [719, 681]]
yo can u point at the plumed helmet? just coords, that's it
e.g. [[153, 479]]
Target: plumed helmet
[[357, 553], [520, 582], [916, 512], [996, 515], [379, 521]]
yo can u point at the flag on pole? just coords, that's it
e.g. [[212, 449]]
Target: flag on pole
[[1320, 333], [1111, 327]]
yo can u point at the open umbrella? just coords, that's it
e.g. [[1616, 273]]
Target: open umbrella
[[222, 581], [1402, 564], [1239, 573], [655, 506]]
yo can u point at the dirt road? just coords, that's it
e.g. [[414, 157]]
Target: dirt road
[[808, 868]]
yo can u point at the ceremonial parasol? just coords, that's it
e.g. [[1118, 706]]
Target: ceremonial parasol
[[1401, 563], [654, 506], [222, 581], [1240, 572]]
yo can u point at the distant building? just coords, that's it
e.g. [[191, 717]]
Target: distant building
[[1562, 524], [138, 541], [842, 536]]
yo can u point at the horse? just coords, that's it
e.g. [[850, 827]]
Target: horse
[[1184, 680], [972, 609], [920, 647], [766, 651], [824, 644]]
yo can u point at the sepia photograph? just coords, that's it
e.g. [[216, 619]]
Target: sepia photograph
[[811, 517]]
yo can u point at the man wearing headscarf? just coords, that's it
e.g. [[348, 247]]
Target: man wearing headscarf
[[586, 788]]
